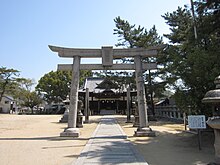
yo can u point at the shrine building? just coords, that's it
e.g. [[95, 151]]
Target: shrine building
[[105, 96]]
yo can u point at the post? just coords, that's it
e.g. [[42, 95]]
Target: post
[[151, 95], [194, 20], [184, 121], [116, 106], [98, 107], [199, 139], [128, 105], [179, 115], [143, 129], [72, 130], [86, 111]]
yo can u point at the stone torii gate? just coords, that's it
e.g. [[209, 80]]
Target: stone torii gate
[[107, 54]]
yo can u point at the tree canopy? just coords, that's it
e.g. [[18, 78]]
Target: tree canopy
[[7, 80], [55, 86], [132, 36], [191, 63], [24, 94]]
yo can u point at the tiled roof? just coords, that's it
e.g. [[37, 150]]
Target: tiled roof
[[94, 82], [107, 84]]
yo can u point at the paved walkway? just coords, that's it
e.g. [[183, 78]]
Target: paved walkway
[[108, 146]]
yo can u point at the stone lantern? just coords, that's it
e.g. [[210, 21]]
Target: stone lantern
[[79, 119], [64, 118], [136, 115], [213, 97]]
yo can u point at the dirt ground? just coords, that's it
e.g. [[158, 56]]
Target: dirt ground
[[34, 139], [172, 145]]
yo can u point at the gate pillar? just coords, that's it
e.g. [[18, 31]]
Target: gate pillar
[[71, 130], [143, 129]]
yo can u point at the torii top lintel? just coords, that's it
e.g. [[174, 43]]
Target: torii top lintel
[[116, 53]]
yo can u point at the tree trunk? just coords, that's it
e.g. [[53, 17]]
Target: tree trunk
[[151, 94]]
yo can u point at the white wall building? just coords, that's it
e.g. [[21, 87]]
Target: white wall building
[[7, 104]]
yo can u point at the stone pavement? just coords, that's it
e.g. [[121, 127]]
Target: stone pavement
[[108, 146]]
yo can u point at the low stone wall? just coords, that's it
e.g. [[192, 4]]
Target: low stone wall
[[169, 111]]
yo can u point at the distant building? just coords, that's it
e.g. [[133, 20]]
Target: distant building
[[7, 105], [167, 108], [105, 96]]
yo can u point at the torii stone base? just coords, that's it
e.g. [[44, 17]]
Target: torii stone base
[[144, 132], [70, 132]]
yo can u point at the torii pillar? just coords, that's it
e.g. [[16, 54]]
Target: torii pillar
[[107, 54], [143, 129], [71, 130]]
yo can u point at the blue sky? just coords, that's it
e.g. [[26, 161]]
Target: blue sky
[[28, 27]]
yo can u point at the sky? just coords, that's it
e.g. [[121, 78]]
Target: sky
[[28, 27]]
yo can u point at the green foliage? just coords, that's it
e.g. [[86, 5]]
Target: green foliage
[[19, 88], [181, 25], [56, 85], [132, 37], [122, 78], [191, 65], [126, 32], [25, 83], [7, 80], [31, 99], [23, 94]]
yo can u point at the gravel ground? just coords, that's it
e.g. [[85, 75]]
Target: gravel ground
[[34, 139]]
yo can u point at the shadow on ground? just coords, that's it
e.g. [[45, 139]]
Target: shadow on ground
[[171, 146], [52, 138]]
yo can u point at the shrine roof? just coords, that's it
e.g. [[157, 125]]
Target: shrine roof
[[92, 83], [107, 84], [98, 85]]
